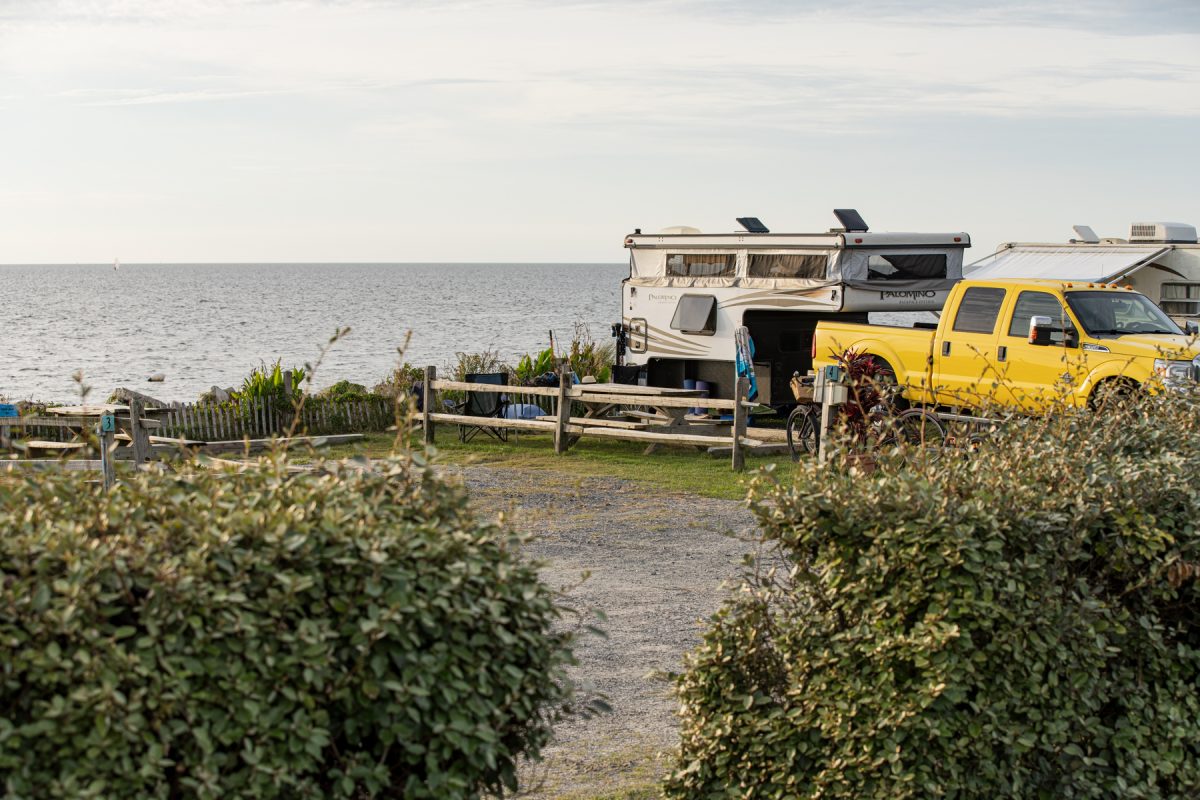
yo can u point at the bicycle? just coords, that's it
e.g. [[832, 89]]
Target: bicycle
[[873, 414]]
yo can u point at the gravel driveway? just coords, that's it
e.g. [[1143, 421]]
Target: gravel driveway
[[657, 564]]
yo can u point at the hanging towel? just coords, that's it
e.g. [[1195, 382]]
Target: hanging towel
[[744, 358]]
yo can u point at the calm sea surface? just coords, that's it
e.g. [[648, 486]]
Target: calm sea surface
[[203, 325]]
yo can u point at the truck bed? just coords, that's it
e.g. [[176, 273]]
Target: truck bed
[[900, 347]]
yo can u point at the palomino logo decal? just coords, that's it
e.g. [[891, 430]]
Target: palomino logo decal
[[909, 295]]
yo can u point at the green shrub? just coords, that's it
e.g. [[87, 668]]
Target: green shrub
[[475, 363], [1020, 622], [588, 357], [399, 382], [344, 391], [338, 633], [265, 382]]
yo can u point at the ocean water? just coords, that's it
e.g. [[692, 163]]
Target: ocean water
[[204, 325], [209, 324]]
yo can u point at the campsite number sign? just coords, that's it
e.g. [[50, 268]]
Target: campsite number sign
[[108, 423]]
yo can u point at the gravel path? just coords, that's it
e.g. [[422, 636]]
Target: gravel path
[[657, 564]]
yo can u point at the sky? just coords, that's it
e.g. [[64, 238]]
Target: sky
[[531, 130]]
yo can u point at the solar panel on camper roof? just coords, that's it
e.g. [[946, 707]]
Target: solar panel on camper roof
[[753, 224], [851, 220]]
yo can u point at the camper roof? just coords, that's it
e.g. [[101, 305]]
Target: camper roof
[[775, 241], [1087, 258]]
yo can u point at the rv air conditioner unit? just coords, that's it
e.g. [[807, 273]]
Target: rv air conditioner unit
[[1162, 233]]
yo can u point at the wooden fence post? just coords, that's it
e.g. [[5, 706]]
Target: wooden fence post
[[739, 423], [141, 439], [106, 458], [427, 401], [561, 442]]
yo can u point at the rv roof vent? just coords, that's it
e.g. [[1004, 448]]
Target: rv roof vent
[[1085, 234], [1162, 233], [851, 220], [679, 230]]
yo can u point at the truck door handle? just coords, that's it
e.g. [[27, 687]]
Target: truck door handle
[[1002, 353], [945, 348]]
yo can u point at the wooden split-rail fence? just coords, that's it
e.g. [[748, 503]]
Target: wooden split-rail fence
[[619, 414]]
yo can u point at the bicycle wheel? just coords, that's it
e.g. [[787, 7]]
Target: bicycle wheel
[[802, 434], [917, 427]]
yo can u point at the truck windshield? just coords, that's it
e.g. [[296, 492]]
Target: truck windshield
[[1119, 313]]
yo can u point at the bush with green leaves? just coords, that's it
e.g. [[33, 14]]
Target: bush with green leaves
[[266, 383], [344, 391], [269, 634], [1021, 621], [400, 381]]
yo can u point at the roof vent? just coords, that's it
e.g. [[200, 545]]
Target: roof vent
[[1085, 234], [1162, 233], [679, 230]]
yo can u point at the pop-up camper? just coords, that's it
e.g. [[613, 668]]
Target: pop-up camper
[[688, 291], [1159, 259]]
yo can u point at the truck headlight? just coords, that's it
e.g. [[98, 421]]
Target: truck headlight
[[1173, 373]]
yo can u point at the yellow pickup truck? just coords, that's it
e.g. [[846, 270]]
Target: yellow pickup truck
[[1026, 344]]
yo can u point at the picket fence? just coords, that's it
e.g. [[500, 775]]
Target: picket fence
[[262, 418]]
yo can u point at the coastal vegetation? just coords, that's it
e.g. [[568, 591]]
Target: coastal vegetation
[[270, 633], [1019, 620]]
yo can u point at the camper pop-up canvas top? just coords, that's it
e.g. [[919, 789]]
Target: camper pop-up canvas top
[[1159, 259], [688, 291]]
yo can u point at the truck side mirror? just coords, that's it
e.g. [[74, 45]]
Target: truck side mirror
[[1191, 328], [1040, 329]]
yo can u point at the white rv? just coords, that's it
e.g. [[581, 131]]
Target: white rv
[[688, 291], [1159, 259]]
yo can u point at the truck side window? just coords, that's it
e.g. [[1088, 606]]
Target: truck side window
[[1040, 304], [978, 309]]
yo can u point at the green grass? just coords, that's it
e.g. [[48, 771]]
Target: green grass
[[671, 468]]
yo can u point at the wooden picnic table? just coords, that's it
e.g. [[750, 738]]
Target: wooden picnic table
[[599, 399], [131, 426]]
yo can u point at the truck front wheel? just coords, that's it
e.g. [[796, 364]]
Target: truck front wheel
[[1113, 393]]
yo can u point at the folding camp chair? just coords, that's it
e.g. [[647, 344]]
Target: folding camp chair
[[484, 404]]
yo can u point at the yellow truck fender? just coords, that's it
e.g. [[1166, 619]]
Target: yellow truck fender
[[1127, 369], [875, 347]]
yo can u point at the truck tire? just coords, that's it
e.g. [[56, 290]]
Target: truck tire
[[897, 402], [1113, 393]]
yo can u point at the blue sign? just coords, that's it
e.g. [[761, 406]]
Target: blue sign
[[108, 423], [8, 410]]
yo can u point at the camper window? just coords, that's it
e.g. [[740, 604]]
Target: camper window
[[790, 265], [906, 267], [1181, 299], [700, 265], [696, 313]]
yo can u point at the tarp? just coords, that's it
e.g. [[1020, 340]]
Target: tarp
[[1078, 263], [744, 359]]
